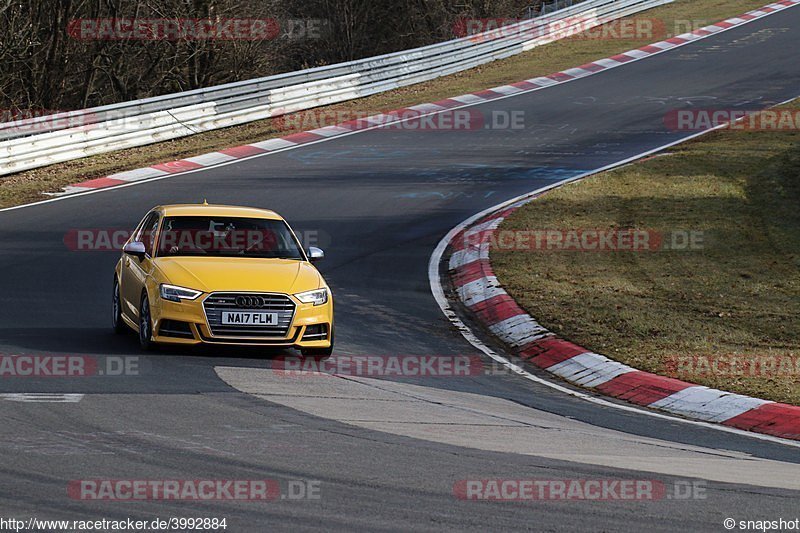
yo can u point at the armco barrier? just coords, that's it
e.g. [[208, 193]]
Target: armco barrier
[[44, 141]]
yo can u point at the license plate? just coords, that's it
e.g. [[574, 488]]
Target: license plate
[[249, 318]]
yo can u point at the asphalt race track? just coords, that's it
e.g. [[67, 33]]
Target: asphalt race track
[[379, 202]]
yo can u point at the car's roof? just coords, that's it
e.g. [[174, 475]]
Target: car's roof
[[195, 210]]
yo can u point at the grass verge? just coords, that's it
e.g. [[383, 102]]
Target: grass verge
[[726, 313], [29, 186]]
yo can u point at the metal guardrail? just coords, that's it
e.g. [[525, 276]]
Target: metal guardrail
[[48, 140]]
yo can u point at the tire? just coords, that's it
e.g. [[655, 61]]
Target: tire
[[117, 323], [319, 352], [145, 325]]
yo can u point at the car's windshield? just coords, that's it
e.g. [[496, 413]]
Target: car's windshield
[[227, 236]]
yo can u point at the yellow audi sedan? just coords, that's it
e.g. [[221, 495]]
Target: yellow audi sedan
[[214, 274]]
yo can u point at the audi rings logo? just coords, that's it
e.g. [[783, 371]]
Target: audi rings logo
[[249, 301]]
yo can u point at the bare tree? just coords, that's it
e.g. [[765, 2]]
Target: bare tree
[[46, 65]]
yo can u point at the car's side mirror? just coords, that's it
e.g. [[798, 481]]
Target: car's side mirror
[[315, 254], [135, 249]]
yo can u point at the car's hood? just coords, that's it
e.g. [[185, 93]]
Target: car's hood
[[211, 274]]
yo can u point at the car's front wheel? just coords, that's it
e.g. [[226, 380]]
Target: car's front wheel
[[116, 310], [145, 325]]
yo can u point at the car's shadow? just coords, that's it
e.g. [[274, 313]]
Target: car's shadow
[[116, 364], [103, 342]]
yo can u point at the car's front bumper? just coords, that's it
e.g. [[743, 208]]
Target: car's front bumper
[[186, 323]]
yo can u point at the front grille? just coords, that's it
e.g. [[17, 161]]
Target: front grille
[[272, 303]]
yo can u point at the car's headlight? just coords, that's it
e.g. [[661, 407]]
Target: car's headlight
[[174, 293], [316, 297]]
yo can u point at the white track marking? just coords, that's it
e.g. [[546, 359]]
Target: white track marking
[[589, 369], [274, 144], [36, 397], [708, 404], [139, 174], [480, 290], [519, 330], [210, 159]]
